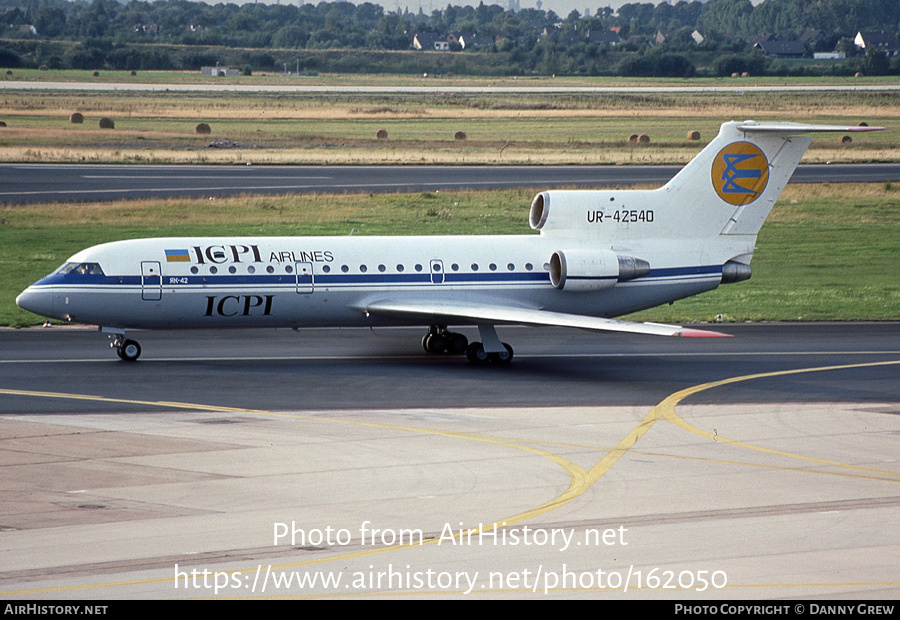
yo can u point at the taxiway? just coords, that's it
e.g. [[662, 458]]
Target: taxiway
[[238, 464], [24, 183]]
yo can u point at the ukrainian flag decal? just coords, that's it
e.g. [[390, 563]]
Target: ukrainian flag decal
[[178, 256], [740, 173]]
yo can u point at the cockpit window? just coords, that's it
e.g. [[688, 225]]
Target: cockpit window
[[92, 269]]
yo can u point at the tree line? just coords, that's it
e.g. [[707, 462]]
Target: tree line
[[658, 40]]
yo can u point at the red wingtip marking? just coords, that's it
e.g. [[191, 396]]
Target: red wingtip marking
[[699, 333]]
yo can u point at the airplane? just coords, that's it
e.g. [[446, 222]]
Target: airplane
[[599, 254]]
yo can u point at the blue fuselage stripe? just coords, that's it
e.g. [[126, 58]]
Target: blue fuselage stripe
[[341, 279]]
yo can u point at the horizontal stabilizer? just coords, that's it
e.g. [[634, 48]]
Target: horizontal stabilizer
[[436, 313], [789, 129]]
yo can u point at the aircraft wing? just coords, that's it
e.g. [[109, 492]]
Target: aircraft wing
[[475, 313]]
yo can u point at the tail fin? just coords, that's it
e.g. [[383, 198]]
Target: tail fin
[[732, 185], [724, 193]]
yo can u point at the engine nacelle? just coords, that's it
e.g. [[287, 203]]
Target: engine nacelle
[[593, 270], [568, 207], [733, 271]]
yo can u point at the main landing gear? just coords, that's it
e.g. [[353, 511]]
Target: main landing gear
[[438, 340], [127, 350]]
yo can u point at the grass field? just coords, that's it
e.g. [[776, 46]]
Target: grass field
[[828, 252], [383, 79], [341, 128]]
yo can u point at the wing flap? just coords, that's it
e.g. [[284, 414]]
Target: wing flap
[[433, 312]]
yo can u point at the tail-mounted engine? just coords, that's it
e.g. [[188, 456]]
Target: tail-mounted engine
[[568, 207], [593, 270], [580, 269]]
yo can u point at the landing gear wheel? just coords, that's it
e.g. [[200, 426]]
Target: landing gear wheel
[[477, 355], [435, 343], [129, 350], [504, 357], [438, 340], [458, 344]]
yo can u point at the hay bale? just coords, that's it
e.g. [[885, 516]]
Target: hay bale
[[862, 124], [846, 139], [107, 123], [2, 124], [133, 73], [203, 129], [633, 138], [644, 138], [96, 74], [735, 74], [76, 118], [745, 74], [382, 134], [459, 135], [693, 135]]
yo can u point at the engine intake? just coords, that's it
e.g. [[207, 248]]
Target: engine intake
[[568, 207]]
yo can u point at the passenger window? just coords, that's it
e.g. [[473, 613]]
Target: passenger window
[[400, 268]]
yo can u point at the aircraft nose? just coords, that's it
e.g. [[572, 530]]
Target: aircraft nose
[[37, 301]]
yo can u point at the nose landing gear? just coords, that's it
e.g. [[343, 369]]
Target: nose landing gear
[[127, 350]]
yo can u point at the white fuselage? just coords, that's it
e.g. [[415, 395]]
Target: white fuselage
[[329, 281]]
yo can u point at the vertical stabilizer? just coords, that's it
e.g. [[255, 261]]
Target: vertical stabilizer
[[730, 187]]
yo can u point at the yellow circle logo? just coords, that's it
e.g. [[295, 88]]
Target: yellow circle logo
[[740, 173]]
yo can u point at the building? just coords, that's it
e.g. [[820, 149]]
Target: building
[[782, 49], [220, 71], [608, 37], [877, 40], [430, 42]]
